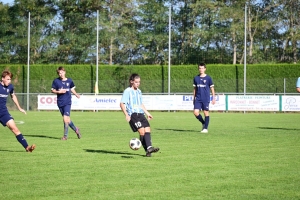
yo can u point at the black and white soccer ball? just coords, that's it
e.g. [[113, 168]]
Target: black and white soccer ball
[[135, 144]]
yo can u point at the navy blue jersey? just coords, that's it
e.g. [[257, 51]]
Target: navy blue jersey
[[66, 98], [5, 91], [202, 86]]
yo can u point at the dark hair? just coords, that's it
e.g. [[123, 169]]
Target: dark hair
[[133, 77], [7, 73], [59, 69], [202, 64]]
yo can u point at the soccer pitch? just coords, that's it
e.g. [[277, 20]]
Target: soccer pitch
[[244, 156]]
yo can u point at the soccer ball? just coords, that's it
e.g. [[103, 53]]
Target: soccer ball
[[135, 144]]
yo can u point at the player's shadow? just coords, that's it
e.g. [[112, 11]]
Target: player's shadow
[[172, 129], [10, 150], [43, 136], [287, 129], [125, 154]]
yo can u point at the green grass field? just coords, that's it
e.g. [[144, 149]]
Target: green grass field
[[244, 156]]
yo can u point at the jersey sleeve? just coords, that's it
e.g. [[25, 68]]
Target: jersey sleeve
[[72, 85], [125, 97], [12, 89], [298, 83], [53, 85], [211, 84]]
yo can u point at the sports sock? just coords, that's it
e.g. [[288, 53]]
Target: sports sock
[[206, 122], [143, 142], [71, 124], [22, 140], [66, 129], [199, 117], [147, 138]]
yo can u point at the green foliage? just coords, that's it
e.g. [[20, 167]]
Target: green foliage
[[137, 32], [255, 160], [154, 78]]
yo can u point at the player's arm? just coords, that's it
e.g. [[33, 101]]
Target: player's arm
[[74, 92], [15, 100], [212, 89], [194, 94], [146, 112], [123, 108], [298, 89], [60, 91]]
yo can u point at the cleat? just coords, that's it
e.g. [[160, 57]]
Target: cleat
[[151, 150], [204, 131], [64, 138], [30, 148], [78, 133]]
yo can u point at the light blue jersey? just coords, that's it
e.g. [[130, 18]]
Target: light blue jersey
[[132, 100], [298, 83]]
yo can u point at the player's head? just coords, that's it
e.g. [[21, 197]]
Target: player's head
[[6, 77], [134, 80], [202, 68], [61, 72]]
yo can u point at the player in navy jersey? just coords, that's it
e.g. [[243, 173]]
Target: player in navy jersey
[[63, 86], [203, 84], [6, 88], [134, 111]]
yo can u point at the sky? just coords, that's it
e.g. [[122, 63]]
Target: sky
[[7, 1]]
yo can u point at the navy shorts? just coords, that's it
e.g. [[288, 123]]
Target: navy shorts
[[65, 110], [137, 121], [201, 105], [5, 117]]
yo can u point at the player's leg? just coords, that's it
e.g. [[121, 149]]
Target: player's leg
[[66, 121], [147, 136], [67, 109], [197, 108], [12, 126], [135, 125], [206, 115]]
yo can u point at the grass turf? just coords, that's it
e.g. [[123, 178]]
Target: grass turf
[[244, 156]]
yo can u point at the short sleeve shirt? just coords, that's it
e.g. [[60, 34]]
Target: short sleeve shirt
[[298, 83], [5, 91], [132, 100], [202, 86], [66, 98]]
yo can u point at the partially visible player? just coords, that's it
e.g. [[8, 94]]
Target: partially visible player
[[63, 86], [5, 118], [298, 85], [134, 111], [203, 84]]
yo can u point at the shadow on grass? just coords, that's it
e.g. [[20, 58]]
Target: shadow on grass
[[272, 128], [177, 130], [126, 155], [43, 136], [12, 151]]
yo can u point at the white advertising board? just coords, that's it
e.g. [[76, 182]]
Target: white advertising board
[[290, 103], [253, 103], [112, 102]]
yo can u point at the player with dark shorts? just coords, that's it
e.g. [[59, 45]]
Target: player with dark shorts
[[6, 119], [134, 111], [203, 84], [63, 87]]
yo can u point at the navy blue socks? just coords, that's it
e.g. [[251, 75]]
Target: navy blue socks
[[22, 140]]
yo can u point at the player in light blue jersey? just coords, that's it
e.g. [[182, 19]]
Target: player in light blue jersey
[[203, 84], [134, 111], [63, 86], [6, 89], [298, 85]]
